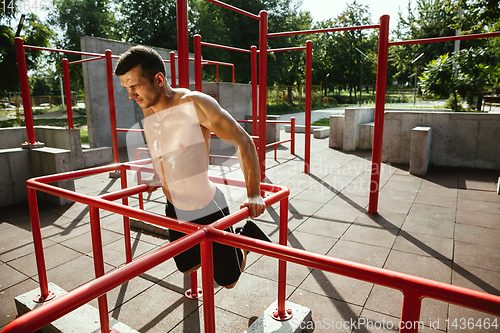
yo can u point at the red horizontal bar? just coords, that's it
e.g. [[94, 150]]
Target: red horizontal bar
[[426, 288], [286, 49], [224, 47], [446, 39], [315, 31], [267, 121], [85, 60], [235, 9], [42, 316], [278, 143], [63, 51], [214, 62], [130, 130]]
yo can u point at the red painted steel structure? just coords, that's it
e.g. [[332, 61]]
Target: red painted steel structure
[[112, 108], [67, 90], [378, 130], [183, 43], [253, 52], [413, 288], [172, 69], [262, 92], [307, 156]]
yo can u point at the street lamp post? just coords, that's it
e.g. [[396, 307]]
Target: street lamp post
[[326, 84], [361, 72], [416, 75]]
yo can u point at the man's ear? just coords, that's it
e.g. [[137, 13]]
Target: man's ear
[[159, 79]]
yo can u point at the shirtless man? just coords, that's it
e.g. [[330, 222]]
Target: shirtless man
[[178, 125]]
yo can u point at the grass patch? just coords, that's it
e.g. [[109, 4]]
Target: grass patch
[[321, 122]]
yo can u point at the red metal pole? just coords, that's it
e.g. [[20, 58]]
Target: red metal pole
[[292, 134], [197, 63], [207, 275], [172, 69], [262, 94], [378, 131], [253, 49], [25, 90], [183, 43], [410, 314], [217, 72], [307, 154], [112, 108], [45, 294], [126, 219], [95, 230], [282, 313], [233, 72], [67, 92]]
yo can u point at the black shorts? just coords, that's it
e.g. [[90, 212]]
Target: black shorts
[[227, 259]]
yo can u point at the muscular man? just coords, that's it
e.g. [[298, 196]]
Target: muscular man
[[178, 125]]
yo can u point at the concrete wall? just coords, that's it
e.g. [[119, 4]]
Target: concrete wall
[[16, 170], [459, 139], [353, 118], [96, 92]]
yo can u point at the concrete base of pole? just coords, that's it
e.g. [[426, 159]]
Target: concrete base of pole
[[82, 320], [114, 174], [266, 323], [149, 227]]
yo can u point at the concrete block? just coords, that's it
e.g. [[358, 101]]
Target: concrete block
[[12, 137], [15, 166], [420, 150], [365, 135], [354, 117], [47, 161], [336, 131], [321, 133], [391, 143], [82, 320], [301, 128], [272, 129], [149, 227], [97, 156], [266, 324]]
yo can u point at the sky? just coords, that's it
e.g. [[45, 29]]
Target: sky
[[325, 9]]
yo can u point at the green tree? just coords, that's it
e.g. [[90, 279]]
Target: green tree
[[463, 73], [76, 18]]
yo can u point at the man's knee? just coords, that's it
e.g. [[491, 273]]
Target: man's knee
[[192, 270]]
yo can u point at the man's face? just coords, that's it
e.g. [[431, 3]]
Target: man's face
[[141, 89]]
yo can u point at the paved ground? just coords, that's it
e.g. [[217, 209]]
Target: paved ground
[[444, 226]]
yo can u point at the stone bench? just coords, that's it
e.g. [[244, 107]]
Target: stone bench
[[337, 131], [302, 128], [420, 150], [321, 133], [365, 135]]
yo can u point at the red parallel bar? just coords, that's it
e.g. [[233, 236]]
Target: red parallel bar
[[207, 276], [233, 72], [292, 134], [255, 125], [217, 72], [25, 89], [112, 108], [197, 63], [126, 220], [85, 60], [446, 39], [37, 242], [287, 49], [224, 47], [235, 9], [172, 69], [61, 306], [95, 230], [316, 31], [267, 121], [378, 131], [183, 43], [67, 91], [262, 93], [406, 283], [307, 153]]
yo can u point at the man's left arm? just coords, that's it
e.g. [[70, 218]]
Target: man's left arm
[[226, 128]]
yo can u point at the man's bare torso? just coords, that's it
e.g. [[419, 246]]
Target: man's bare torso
[[179, 148]]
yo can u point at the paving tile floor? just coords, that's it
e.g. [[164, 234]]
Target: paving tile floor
[[444, 226]]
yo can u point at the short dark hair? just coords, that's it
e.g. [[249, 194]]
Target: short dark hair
[[149, 60]]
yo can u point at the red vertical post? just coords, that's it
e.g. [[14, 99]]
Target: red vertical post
[[282, 313], [233, 72], [112, 108], [207, 275], [67, 93], [126, 219], [172, 69], [37, 242], [253, 50], [292, 134], [183, 43], [262, 93], [217, 72], [25, 90], [307, 153], [197, 63], [410, 314], [378, 131], [95, 230]]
